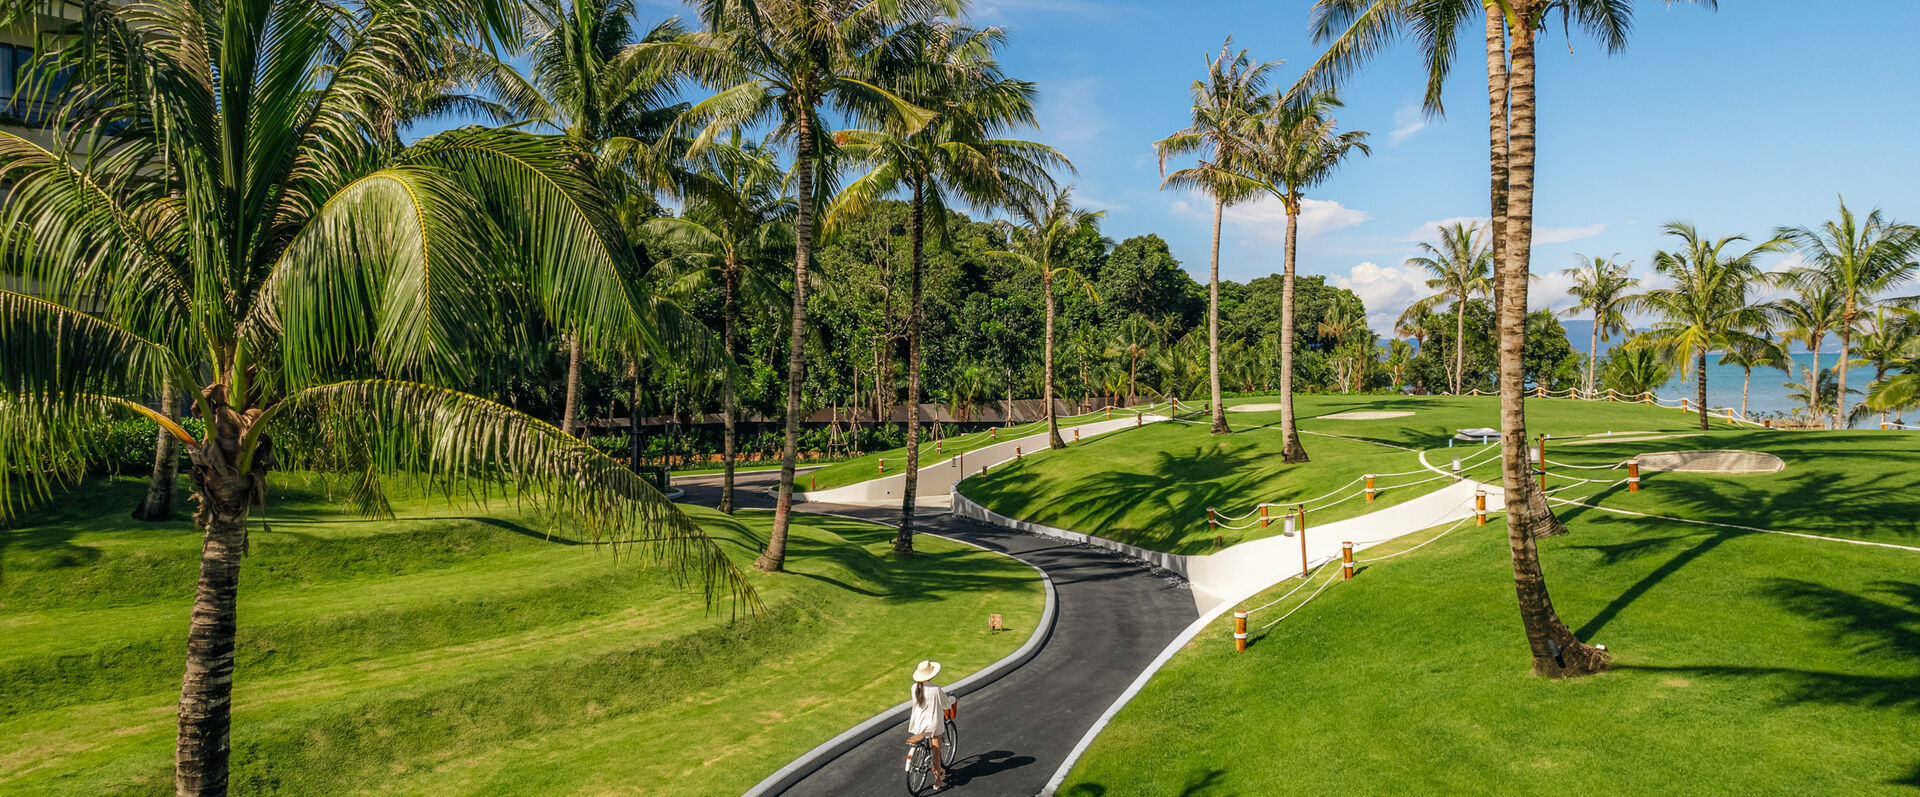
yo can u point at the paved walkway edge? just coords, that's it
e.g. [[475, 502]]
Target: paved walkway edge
[[812, 760], [967, 508]]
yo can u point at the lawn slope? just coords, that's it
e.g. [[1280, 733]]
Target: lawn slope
[[463, 652]]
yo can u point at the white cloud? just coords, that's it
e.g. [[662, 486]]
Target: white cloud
[[1266, 218], [1386, 290], [1542, 236], [1068, 114], [1406, 122]]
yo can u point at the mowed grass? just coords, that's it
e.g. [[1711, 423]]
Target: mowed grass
[[1152, 486], [464, 652], [863, 468], [1746, 663]]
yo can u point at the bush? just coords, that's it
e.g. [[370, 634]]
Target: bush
[[126, 446]]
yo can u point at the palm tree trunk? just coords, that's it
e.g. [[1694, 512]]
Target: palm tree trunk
[[1846, 353], [775, 557], [1556, 651], [1813, 382], [1460, 346], [1046, 357], [1745, 385], [1497, 92], [636, 445], [158, 503], [727, 401], [1700, 385], [571, 411], [1291, 452], [1593, 355], [903, 541], [1213, 324]]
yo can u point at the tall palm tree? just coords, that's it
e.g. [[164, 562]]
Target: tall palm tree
[[1892, 343], [602, 85], [1039, 243], [1297, 148], [736, 210], [1756, 351], [959, 155], [1600, 284], [1707, 307], [247, 229], [1460, 267], [780, 61], [1808, 319], [1227, 105], [1342, 324], [1358, 30], [1135, 340], [1856, 259]]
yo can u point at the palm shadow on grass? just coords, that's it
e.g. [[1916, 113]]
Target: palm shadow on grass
[[927, 576], [1176, 488]]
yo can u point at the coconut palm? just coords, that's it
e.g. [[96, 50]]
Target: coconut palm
[[1635, 370], [248, 230], [1707, 307], [736, 210], [1600, 284], [1135, 340], [1757, 350], [971, 387], [1399, 360], [1227, 105], [1819, 391], [1857, 260], [1891, 343], [1039, 243], [1459, 267], [959, 156], [1343, 323], [1808, 319], [779, 62]]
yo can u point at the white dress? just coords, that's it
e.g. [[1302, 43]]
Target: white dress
[[928, 717]]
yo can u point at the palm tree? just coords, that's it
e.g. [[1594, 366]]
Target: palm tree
[[1297, 149], [1135, 340], [1460, 267], [971, 386], [736, 209], [1819, 390], [1358, 30], [779, 61], [1893, 342], [1039, 243], [1399, 359], [1600, 285], [1856, 260], [1707, 307], [1635, 370], [1342, 324], [957, 156], [247, 230], [1758, 350], [1227, 105], [1808, 319]]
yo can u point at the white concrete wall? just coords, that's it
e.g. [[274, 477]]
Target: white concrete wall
[[938, 478]]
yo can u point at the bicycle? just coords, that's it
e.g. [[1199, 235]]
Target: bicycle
[[920, 755]]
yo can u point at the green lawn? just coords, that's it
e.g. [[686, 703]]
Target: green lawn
[[1152, 486], [1747, 663], [863, 468], [454, 652]]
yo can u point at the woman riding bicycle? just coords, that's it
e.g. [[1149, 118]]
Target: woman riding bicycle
[[928, 718]]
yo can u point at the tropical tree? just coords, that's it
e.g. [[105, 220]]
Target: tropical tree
[[1227, 105], [1600, 284], [971, 387], [1459, 269], [1635, 370], [247, 231], [958, 156], [1808, 319], [736, 209], [1892, 343], [1706, 308], [1135, 340], [1819, 391], [780, 61], [1358, 30], [1343, 324], [1757, 350], [1855, 259], [1399, 360], [1039, 243], [1297, 148]]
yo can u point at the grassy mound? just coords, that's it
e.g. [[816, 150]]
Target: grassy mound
[[863, 468], [1747, 663], [1151, 487], [451, 652]]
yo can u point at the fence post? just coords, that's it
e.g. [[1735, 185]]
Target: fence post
[[1239, 630], [1300, 525], [1137, 419], [1109, 413], [1076, 434], [1016, 452], [1263, 516], [813, 482], [1369, 488], [1480, 507], [1346, 561], [883, 466], [1883, 424], [993, 433], [939, 447], [1212, 522], [1633, 475], [1683, 405]]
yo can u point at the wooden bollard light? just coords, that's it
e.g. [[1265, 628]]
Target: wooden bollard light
[[1263, 516], [1239, 630], [1346, 561], [1633, 475], [1480, 507], [1369, 488]]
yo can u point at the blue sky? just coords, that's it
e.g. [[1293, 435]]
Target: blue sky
[[1739, 120]]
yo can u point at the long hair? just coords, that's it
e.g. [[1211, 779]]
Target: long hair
[[920, 694]]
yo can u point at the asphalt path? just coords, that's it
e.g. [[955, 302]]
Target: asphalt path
[[1113, 616]]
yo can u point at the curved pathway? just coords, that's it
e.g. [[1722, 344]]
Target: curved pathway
[[1114, 615]]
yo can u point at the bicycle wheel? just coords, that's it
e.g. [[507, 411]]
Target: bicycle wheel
[[919, 770], [950, 745]]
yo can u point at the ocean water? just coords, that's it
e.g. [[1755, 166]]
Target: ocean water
[[1769, 390]]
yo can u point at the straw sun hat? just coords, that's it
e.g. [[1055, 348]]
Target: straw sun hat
[[926, 671]]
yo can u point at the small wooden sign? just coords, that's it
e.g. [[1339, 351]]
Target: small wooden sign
[[993, 623]]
